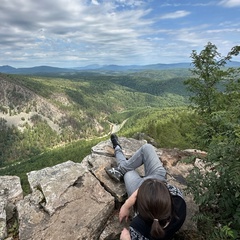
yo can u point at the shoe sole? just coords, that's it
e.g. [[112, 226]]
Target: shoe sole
[[113, 177]]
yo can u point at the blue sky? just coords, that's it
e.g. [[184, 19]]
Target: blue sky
[[75, 33]]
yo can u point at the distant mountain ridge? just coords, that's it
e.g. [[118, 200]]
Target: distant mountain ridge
[[158, 66], [49, 69], [94, 67], [33, 70]]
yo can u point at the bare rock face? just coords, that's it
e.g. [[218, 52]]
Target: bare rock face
[[103, 156], [79, 200], [10, 193], [67, 202], [27, 100]]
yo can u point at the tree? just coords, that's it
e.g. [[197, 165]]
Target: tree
[[215, 97], [207, 74]]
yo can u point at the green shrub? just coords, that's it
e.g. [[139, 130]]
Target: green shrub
[[216, 189]]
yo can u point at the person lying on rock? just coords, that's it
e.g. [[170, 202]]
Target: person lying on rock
[[159, 207]]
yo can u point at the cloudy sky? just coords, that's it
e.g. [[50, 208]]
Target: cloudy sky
[[75, 33]]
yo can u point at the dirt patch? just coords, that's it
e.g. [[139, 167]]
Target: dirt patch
[[21, 119]]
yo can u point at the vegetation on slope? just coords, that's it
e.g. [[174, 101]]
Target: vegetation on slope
[[169, 127], [217, 189], [85, 100], [74, 151]]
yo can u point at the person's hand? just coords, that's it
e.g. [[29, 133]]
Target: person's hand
[[124, 213], [125, 235], [127, 206]]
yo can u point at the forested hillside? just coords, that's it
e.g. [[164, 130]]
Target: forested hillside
[[40, 112]]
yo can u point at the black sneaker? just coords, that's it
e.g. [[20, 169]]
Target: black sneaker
[[114, 140], [115, 174]]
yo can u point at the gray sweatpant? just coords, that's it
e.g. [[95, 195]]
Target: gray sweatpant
[[145, 155]]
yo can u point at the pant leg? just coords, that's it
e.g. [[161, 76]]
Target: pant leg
[[153, 166], [132, 181], [146, 155], [132, 163]]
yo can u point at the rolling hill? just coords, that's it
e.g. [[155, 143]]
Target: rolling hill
[[55, 108], [99, 68], [49, 69]]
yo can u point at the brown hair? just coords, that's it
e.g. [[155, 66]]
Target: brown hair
[[154, 205]]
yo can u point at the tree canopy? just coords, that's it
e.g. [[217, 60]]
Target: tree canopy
[[216, 100]]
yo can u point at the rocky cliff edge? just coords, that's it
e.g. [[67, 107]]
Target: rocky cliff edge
[[78, 200]]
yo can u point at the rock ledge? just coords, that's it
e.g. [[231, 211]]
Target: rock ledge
[[78, 200]]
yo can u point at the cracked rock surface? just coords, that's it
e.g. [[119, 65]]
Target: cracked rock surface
[[78, 200]]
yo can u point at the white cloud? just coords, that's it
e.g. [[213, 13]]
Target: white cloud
[[174, 15], [187, 4], [95, 2], [87, 28], [230, 3], [132, 3], [81, 32]]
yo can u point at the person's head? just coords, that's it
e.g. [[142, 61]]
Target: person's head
[[154, 205]]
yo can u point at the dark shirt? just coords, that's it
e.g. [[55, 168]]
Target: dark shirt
[[140, 230]]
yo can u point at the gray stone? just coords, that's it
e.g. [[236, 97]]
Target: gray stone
[[67, 202], [10, 193], [79, 200], [129, 146], [10, 188], [3, 218], [103, 156], [113, 228], [54, 181]]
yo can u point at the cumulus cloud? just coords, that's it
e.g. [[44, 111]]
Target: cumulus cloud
[[32, 27], [81, 32], [230, 3]]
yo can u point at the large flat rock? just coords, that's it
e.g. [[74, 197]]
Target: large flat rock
[[67, 203]]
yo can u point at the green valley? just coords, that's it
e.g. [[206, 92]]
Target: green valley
[[61, 115], [62, 108]]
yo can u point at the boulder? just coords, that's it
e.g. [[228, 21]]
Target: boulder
[[103, 156], [67, 202], [10, 193], [79, 200]]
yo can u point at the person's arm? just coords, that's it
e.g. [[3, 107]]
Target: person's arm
[[126, 207], [125, 235]]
